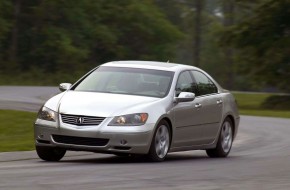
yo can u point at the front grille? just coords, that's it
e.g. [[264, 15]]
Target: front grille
[[81, 120], [86, 141]]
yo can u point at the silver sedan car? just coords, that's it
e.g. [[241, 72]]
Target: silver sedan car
[[138, 107]]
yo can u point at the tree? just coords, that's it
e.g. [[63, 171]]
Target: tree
[[188, 16], [228, 20], [5, 27], [263, 41], [197, 32], [56, 35], [5, 9], [13, 49], [142, 31]]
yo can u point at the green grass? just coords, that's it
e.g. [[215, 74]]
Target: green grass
[[259, 104], [16, 130]]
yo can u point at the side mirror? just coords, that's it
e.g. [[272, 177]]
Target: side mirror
[[64, 86], [185, 97]]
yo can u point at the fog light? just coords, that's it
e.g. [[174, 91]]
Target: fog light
[[123, 142], [40, 136]]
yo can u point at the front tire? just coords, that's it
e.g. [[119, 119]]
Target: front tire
[[225, 141], [49, 153], [160, 143]]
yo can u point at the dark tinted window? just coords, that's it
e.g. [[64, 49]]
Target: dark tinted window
[[204, 84], [185, 83]]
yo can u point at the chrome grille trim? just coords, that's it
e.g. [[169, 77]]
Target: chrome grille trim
[[81, 120]]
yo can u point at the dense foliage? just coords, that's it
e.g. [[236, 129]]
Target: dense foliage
[[263, 40], [244, 44], [69, 36]]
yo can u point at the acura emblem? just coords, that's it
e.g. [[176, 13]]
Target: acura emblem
[[79, 120]]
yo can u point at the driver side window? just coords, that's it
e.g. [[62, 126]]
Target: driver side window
[[185, 83]]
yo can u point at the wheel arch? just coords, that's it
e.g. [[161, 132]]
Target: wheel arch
[[167, 119], [231, 117]]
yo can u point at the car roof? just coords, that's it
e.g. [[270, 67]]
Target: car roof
[[150, 65]]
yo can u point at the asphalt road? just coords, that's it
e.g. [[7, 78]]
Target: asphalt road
[[260, 159], [27, 98]]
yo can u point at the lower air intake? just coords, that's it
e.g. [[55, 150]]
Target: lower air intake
[[85, 141]]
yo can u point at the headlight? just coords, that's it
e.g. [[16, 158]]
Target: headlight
[[131, 119], [46, 114]]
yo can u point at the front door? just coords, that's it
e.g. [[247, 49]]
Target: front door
[[212, 106], [187, 115]]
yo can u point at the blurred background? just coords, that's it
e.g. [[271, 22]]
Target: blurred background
[[243, 44]]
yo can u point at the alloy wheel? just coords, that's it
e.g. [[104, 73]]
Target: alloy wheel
[[162, 141], [227, 136]]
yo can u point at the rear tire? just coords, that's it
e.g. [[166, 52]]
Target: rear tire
[[160, 142], [49, 153], [225, 141]]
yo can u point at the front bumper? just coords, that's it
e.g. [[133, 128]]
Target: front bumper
[[121, 139]]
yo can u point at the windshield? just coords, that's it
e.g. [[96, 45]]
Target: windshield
[[132, 81]]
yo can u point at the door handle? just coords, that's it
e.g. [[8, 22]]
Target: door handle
[[219, 101], [198, 105]]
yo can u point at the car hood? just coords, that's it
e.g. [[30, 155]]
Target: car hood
[[100, 104]]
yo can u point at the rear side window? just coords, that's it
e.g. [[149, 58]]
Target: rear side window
[[204, 84]]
